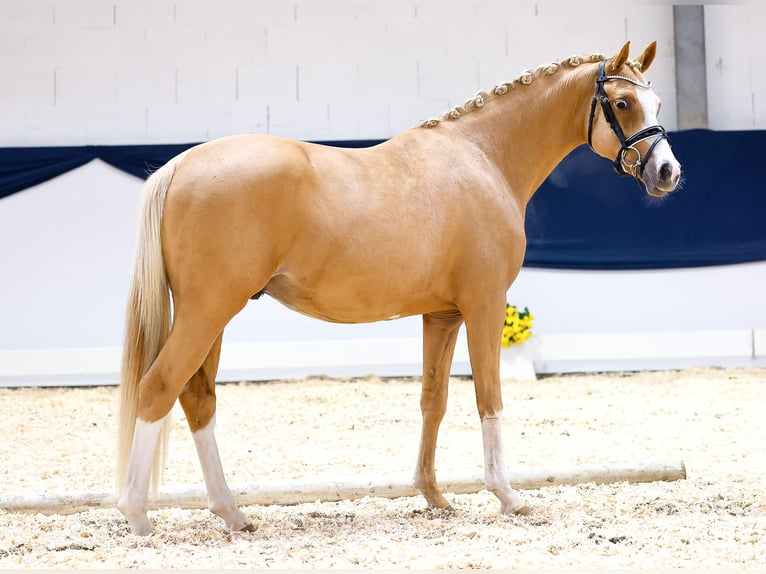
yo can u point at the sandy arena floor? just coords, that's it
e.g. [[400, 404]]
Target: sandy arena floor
[[57, 440]]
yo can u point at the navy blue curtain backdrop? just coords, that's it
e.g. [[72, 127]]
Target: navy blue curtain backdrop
[[584, 216]]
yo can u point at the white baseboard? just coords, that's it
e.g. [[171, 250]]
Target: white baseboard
[[402, 357], [649, 350], [759, 342]]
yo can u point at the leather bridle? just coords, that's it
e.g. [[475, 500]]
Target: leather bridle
[[628, 144]]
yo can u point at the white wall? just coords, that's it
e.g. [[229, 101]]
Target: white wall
[[735, 53], [157, 71], [97, 72]]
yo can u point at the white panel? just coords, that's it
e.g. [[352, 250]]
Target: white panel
[[343, 117], [46, 46], [625, 301], [735, 52], [25, 15], [178, 124], [405, 114], [104, 47], [328, 82], [228, 48], [413, 40], [365, 118], [200, 85], [116, 126], [12, 40], [453, 81], [174, 46], [759, 343], [133, 14], [54, 125], [448, 10], [402, 356], [235, 15], [641, 351], [83, 86], [28, 87], [300, 120], [330, 13], [285, 45], [137, 84], [242, 118], [644, 345], [15, 127], [65, 281], [36, 365], [262, 83], [385, 80], [84, 14], [566, 27]]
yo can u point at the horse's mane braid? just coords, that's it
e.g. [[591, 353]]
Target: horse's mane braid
[[480, 98]]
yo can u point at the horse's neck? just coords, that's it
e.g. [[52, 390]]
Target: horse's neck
[[528, 131]]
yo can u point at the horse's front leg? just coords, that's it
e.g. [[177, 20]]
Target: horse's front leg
[[484, 327], [439, 336], [199, 404]]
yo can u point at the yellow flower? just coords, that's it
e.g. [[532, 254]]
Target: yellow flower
[[517, 327]]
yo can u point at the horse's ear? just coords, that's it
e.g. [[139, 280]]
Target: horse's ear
[[616, 62], [647, 56]]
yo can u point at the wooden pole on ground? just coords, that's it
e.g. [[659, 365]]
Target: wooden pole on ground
[[300, 491]]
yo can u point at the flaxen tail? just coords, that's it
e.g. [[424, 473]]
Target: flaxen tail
[[148, 317]]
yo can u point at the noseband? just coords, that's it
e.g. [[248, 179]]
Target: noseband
[[636, 168]]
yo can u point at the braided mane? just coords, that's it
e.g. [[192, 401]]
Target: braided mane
[[480, 99]]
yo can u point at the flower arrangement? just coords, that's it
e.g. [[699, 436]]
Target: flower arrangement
[[518, 326]]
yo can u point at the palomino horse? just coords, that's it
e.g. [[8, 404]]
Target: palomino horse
[[430, 222]]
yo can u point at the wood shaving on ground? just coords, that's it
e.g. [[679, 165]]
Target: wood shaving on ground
[[59, 440]]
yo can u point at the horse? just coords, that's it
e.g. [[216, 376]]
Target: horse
[[430, 222]]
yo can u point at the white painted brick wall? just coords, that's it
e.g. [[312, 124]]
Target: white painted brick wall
[[735, 56], [159, 71], [83, 14]]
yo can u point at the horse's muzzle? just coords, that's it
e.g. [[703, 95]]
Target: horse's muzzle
[[663, 178]]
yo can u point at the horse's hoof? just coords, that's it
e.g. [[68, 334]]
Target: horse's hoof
[[141, 527], [431, 512], [523, 510], [435, 500], [138, 522], [248, 527], [235, 519], [448, 508]]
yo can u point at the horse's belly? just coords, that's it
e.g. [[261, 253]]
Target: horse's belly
[[350, 301]]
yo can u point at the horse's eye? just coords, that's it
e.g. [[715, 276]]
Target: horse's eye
[[621, 104]]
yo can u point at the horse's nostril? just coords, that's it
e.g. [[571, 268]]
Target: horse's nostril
[[666, 171]]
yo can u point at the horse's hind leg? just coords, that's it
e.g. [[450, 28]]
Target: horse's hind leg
[[195, 330], [439, 336], [133, 499], [199, 403]]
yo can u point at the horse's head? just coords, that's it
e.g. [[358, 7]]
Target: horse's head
[[623, 123]]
